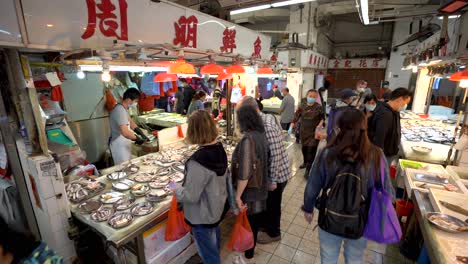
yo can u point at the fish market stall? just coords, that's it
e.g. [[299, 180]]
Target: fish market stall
[[163, 119], [426, 140], [443, 238]]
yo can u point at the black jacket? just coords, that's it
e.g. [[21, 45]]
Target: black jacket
[[189, 92], [385, 130]]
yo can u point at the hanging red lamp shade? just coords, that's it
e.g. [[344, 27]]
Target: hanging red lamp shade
[[165, 77], [182, 67], [458, 76], [224, 76], [212, 68], [265, 70], [235, 68]]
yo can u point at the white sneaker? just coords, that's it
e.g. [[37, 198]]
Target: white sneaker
[[239, 259]]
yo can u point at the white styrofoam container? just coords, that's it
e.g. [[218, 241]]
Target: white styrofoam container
[[170, 252]]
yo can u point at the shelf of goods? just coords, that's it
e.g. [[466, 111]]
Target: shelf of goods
[[426, 140], [163, 119]]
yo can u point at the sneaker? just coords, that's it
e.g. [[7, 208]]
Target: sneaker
[[303, 166], [238, 259], [264, 238]]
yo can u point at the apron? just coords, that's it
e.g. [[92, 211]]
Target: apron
[[121, 148], [311, 117]]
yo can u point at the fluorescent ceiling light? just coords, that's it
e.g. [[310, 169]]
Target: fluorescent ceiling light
[[290, 2], [449, 17], [268, 75], [249, 9], [364, 11], [98, 68]]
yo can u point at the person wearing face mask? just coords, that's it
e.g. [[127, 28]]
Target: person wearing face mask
[[348, 96], [361, 90], [370, 103], [197, 102], [385, 123], [123, 129], [309, 114]]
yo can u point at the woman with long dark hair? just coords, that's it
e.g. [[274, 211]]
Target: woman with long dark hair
[[350, 163], [250, 169]]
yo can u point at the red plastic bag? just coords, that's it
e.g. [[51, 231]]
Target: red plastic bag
[[176, 227], [241, 237], [110, 100]]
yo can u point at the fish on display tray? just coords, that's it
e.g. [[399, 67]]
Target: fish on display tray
[[102, 214], [142, 208], [177, 177], [117, 175], [124, 203], [120, 220], [164, 172], [156, 195], [89, 206], [121, 186], [111, 197], [140, 189], [179, 167], [158, 184], [446, 222], [131, 169], [143, 178]]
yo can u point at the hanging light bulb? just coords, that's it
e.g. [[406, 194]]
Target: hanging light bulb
[[464, 83], [80, 74], [105, 77]]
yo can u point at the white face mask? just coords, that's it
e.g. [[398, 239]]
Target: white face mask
[[361, 90], [132, 105], [403, 108], [370, 107]]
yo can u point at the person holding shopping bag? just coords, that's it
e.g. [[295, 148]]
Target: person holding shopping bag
[[345, 173], [203, 194], [250, 169]]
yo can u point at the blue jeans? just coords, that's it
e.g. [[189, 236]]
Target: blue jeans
[[208, 243], [330, 246]]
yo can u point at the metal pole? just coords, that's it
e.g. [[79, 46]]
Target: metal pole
[[457, 126], [229, 107]]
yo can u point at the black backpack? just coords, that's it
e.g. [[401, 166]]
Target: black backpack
[[343, 205]]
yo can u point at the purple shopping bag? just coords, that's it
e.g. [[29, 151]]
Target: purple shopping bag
[[382, 224]]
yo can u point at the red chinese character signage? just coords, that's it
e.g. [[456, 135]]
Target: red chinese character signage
[[229, 40], [375, 63], [186, 31], [347, 64], [109, 25], [363, 63], [336, 64], [257, 48]]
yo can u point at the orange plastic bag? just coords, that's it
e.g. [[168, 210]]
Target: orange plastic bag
[[110, 100], [176, 227], [241, 237]]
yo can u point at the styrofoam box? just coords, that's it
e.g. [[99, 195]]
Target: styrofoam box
[[171, 251], [154, 241]]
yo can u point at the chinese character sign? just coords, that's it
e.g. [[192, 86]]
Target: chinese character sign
[[108, 22], [229, 40], [363, 63], [347, 64], [186, 31], [375, 63], [336, 64], [257, 48]]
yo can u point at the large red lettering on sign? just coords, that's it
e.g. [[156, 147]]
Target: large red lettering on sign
[[363, 63], [229, 40], [336, 63], [375, 63], [186, 31], [347, 64], [108, 23], [257, 48]]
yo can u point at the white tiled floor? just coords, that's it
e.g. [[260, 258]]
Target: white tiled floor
[[300, 242]]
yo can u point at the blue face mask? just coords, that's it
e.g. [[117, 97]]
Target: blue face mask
[[370, 107], [310, 100]]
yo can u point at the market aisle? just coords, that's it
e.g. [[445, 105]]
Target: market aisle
[[300, 243]]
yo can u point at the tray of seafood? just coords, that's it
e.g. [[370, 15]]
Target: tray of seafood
[[139, 189], [117, 175], [159, 182], [141, 209], [124, 203], [89, 206], [144, 177], [120, 220], [131, 169], [102, 214], [123, 185], [81, 190], [111, 197], [156, 195]]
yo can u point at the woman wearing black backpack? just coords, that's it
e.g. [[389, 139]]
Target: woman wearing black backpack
[[344, 173]]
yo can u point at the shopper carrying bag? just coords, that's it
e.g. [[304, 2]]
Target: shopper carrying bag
[[176, 228], [382, 225], [241, 236]]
